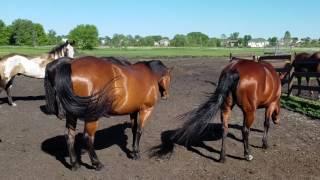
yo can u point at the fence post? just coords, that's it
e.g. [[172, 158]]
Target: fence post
[[291, 74]]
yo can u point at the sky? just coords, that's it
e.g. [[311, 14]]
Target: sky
[[259, 18]]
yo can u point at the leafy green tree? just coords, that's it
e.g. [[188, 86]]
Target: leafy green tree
[[118, 40], [85, 36], [25, 32], [179, 40], [273, 41], [214, 42], [246, 39], [197, 39], [287, 38], [149, 40], [52, 38], [4, 34], [22, 32], [39, 36], [234, 36], [137, 40]]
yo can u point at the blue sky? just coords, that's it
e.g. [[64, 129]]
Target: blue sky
[[260, 18]]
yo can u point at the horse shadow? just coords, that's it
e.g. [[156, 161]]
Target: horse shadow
[[212, 133], [114, 135], [4, 100]]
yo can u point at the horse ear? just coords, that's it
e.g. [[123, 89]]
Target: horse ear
[[67, 42]]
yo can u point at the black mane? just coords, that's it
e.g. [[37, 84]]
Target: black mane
[[156, 66], [119, 61], [59, 47]]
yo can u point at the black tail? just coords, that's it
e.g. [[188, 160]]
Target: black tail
[[52, 105], [88, 107], [199, 118]]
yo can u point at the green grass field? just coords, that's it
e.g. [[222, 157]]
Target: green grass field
[[149, 52]]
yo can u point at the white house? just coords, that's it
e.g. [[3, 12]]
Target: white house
[[258, 43], [162, 42]]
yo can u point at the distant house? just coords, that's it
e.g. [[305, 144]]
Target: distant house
[[231, 43], [258, 43], [162, 43]]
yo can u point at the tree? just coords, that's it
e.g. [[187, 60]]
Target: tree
[[52, 38], [179, 40], [246, 39], [25, 32], [4, 34], [22, 32], [273, 41], [118, 40], [197, 39], [39, 36], [85, 36], [287, 38], [234, 36], [214, 42]]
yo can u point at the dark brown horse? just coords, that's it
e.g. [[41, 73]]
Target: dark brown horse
[[88, 88], [314, 67], [250, 85]]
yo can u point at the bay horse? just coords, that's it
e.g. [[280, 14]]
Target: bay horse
[[88, 88], [250, 85], [307, 67], [14, 64]]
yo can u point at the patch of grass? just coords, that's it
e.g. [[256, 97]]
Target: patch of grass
[[307, 107], [147, 52]]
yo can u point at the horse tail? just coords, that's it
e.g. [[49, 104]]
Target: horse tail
[[53, 106], [84, 107], [199, 118], [50, 92]]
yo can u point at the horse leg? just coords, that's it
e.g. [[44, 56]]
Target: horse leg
[[90, 131], [8, 91], [134, 128], [141, 120], [225, 114], [249, 117], [266, 124], [318, 80], [71, 123], [299, 86], [308, 84]]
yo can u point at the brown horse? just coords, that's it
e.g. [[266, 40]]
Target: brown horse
[[88, 88], [248, 84], [307, 67]]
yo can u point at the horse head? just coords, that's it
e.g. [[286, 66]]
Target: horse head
[[164, 84], [68, 49]]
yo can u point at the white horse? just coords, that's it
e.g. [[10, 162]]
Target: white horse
[[14, 64]]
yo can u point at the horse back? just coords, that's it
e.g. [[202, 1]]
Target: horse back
[[259, 84]]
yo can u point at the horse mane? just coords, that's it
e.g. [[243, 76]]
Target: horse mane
[[118, 61], [156, 66], [59, 47]]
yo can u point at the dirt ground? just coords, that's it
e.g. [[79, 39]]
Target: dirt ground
[[32, 143]]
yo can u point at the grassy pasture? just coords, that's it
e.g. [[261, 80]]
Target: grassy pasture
[[148, 52]]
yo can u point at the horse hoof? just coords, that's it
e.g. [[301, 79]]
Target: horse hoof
[[265, 146], [249, 157], [222, 160], [75, 167], [98, 166], [136, 156], [13, 104]]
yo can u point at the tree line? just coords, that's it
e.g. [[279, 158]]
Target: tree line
[[23, 32]]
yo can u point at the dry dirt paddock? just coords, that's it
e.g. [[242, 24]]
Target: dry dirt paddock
[[33, 147]]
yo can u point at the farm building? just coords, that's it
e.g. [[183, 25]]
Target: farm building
[[258, 43], [162, 42]]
